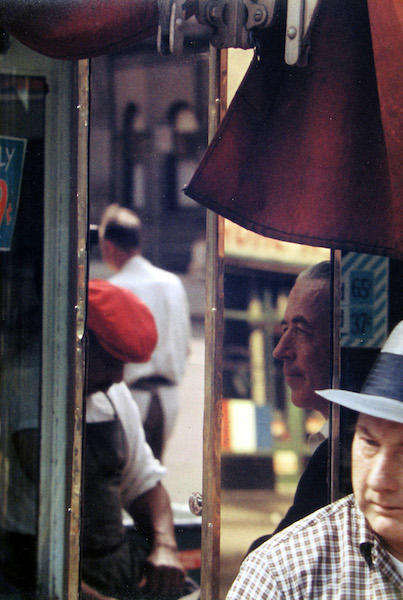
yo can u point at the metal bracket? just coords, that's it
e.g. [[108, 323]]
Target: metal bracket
[[233, 24], [234, 21], [300, 17], [177, 27], [260, 13], [227, 21], [164, 10], [196, 503], [171, 29]]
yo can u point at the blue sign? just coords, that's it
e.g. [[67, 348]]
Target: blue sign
[[12, 154], [364, 300]]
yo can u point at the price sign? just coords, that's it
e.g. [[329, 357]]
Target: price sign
[[364, 300], [12, 154]]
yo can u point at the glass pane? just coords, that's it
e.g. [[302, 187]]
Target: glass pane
[[271, 424], [21, 233], [141, 159]]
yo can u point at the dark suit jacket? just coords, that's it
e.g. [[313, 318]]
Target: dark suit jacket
[[313, 492]]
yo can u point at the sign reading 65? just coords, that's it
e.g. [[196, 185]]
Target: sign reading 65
[[362, 287], [364, 300]]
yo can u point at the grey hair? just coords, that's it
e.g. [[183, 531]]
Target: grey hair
[[121, 226], [321, 270]]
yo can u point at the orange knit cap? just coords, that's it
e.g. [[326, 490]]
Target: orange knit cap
[[122, 323]]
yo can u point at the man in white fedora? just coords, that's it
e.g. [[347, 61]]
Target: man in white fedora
[[353, 548]]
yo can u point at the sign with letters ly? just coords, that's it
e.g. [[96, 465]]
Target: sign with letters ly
[[12, 155], [364, 300]]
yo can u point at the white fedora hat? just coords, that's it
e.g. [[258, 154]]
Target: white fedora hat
[[382, 393]]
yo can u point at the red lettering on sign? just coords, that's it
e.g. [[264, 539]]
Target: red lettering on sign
[[3, 198]]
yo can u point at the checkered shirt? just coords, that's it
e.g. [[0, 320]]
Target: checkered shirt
[[329, 555]]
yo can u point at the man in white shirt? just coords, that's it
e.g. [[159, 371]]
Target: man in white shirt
[[154, 384]]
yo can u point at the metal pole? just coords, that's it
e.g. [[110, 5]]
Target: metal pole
[[74, 487], [214, 326], [335, 408]]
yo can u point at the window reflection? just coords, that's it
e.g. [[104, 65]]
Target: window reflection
[[21, 117], [267, 440]]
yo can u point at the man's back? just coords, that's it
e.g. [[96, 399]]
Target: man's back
[[153, 384], [165, 296]]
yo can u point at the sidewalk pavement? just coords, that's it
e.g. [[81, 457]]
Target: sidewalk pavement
[[184, 450], [245, 514]]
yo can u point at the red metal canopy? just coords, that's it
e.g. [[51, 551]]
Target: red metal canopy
[[72, 29], [314, 155]]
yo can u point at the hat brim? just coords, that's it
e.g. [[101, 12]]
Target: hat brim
[[375, 406]]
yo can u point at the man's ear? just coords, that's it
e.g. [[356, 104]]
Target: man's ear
[[112, 255], [108, 251]]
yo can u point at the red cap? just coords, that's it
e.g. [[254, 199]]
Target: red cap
[[122, 323]]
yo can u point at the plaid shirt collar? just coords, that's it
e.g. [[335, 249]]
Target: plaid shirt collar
[[301, 561], [372, 548]]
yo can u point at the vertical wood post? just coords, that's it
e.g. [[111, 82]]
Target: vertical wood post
[[214, 327]]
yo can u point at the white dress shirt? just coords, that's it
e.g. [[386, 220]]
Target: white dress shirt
[[165, 296]]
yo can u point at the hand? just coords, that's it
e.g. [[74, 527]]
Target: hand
[[164, 572]]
